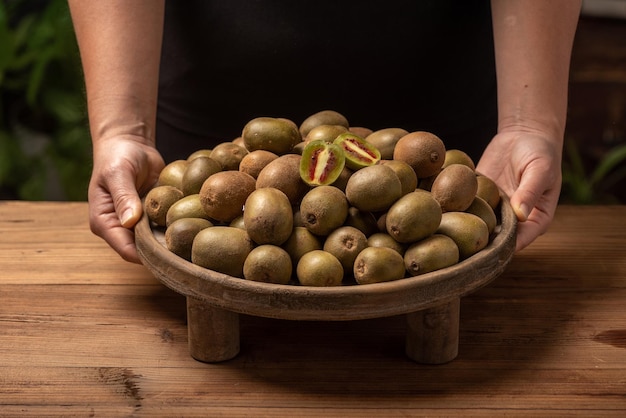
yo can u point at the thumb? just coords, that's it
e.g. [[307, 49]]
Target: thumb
[[532, 186], [129, 211], [128, 206]]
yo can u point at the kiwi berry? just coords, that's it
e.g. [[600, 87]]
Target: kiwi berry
[[383, 239], [483, 210], [223, 194], [319, 268], [222, 248], [228, 155], [321, 163], [197, 171], [424, 151], [268, 264], [268, 216], [361, 220], [323, 117], [253, 162], [457, 156], [406, 174], [378, 264], [277, 135], [374, 188], [323, 209], [432, 253], [180, 234], [172, 174], [158, 201], [186, 207], [385, 140], [283, 173], [326, 133], [455, 187], [469, 232], [488, 190], [300, 242], [413, 217], [345, 243]]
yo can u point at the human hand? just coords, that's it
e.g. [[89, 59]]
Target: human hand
[[527, 167], [125, 167]]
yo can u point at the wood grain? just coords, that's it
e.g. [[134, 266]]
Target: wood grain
[[83, 333]]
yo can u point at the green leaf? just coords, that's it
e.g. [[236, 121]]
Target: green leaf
[[611, 160]]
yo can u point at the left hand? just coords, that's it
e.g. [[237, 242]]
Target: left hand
[[526, 165]]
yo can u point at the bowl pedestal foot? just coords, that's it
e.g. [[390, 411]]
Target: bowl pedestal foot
[[433, 334], [213, 332]]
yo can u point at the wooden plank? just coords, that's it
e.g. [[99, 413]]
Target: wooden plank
[[53, 239], [84, 333]]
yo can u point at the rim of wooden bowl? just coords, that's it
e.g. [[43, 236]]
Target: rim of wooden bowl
[[352, 302]]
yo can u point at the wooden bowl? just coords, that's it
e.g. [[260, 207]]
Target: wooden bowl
[[222, 297]]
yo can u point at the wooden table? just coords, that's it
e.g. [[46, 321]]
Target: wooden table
[[84, 333]]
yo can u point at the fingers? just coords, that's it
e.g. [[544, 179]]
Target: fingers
[[534, 203], [115, 208]]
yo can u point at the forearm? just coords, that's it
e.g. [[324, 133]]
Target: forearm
[[120, 47], [533, 42]]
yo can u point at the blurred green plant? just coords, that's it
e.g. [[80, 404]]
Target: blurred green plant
[[45, 151], [584, 186]]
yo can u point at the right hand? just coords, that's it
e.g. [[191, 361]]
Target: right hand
[[125, 167]]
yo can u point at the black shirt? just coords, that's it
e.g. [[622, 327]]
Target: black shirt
[[417, 65]]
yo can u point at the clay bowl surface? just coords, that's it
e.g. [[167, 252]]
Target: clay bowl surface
[[328, 303]]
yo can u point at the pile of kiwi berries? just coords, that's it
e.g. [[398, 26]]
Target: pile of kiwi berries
[[324, 204]]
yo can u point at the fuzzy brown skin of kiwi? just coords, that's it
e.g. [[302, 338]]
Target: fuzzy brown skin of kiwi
[[283, 173], [455, 187], [424, 151], [223, 194]]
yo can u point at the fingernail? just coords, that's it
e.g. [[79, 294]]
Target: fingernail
[[126, 217], [523, 211]]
